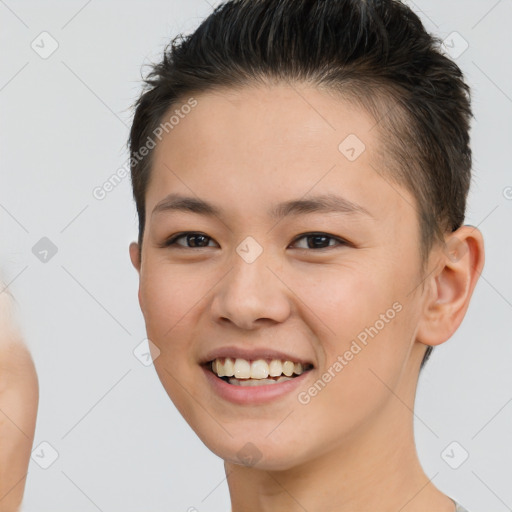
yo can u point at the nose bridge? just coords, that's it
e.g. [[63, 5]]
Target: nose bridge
[[250, 264], [250, 250], [250, 273], [251, 291]]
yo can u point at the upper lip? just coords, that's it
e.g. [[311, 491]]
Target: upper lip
[[251, 354]]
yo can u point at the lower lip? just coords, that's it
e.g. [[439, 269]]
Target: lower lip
[[253, 394]]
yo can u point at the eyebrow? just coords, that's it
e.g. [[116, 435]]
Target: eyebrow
[[325, 203]]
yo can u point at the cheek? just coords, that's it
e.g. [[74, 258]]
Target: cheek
[[343, 300], [167, 304], [364, 335], [168, 298]]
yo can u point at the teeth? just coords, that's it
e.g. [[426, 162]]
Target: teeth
[[258, 369], [242, 369], [275, 368], [229, 366], [288, 368], [257, 382], [218, 368]]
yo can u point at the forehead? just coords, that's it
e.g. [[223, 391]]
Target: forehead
[[262, 143], [274, 119]]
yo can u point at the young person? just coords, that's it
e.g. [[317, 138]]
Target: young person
[[300, 170]]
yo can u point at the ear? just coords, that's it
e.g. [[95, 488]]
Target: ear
[[451, 286], [134, 256]]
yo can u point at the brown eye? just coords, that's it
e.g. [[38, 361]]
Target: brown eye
[[320, 241], [192, 239]]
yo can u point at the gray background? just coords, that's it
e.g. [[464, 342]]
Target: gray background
[[121, 443]]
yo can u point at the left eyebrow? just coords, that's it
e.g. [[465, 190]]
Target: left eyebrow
[[325, 203]]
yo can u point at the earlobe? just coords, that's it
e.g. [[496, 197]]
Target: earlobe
[[461, 261], [134, 256]]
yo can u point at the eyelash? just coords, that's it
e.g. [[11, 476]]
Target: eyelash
[[172, 240]]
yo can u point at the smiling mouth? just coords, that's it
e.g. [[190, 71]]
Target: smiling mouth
[[243, 372]]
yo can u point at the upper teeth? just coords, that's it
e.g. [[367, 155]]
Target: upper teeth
[[258, 369]]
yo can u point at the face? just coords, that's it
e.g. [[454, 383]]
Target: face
[[331, 282]]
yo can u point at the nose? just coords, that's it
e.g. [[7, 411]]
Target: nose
[[252, 294]]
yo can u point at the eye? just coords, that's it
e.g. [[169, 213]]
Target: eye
[[197, 240], [319, 240]]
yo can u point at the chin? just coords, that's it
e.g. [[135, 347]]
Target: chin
[[253, 453]]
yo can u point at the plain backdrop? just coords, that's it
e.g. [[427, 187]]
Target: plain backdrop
[[119, 441]]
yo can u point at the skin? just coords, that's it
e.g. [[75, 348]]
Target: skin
[[19, 398], [245, 151]]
